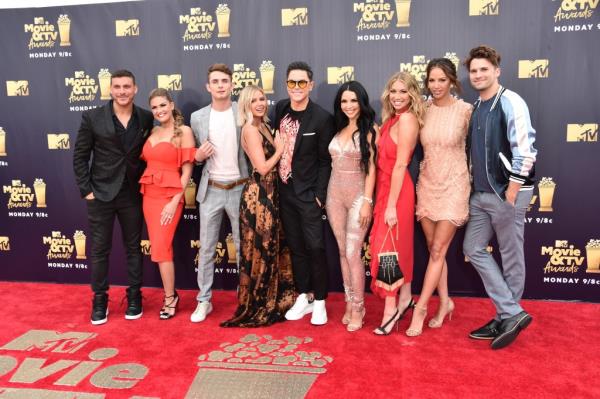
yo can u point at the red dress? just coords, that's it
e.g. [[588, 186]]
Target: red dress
[[159, 183], [405, 210]]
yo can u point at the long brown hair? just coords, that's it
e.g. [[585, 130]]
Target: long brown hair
[[177, 115]]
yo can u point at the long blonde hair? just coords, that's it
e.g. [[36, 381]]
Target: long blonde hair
[[177, 115], [417, 106], [244, 102]]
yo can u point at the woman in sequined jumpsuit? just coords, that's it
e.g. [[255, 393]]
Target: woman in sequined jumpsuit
[[350, 191]]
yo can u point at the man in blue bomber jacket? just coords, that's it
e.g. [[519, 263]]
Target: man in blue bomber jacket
[[501, 157]]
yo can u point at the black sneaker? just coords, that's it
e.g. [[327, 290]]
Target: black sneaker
[[134, 305], [100, 308]]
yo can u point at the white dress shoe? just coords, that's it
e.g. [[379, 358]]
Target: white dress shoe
[[300, 308], [202, 310], [319, 314]]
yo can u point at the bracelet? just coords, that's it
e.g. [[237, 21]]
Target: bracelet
[[367, 199]]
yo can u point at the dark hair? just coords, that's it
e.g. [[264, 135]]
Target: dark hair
[[301, 65], [122, 73], [219, 68], [177, 115], [449, 70], [365, 122], [483, 51]]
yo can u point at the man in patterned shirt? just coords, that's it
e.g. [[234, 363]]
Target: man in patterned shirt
[[304, 172]]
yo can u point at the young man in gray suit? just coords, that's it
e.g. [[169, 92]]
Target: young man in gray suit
[[223, 176]]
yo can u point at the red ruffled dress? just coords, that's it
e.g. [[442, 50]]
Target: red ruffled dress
[[405, 211], [159, 183]]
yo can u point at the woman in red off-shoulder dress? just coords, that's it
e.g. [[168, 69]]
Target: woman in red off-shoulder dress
[[169, 154]]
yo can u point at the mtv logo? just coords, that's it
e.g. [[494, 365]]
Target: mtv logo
[[338, 75], [194, 244], [17, 88], [146, 247], [419, 59], [533, 69], [4, 243], [127, 27], [58, 141], [561, 244], [48, 340], [582, 132], [38, 20], [294, 16], [170, 82], [484, 7], [195, 10]]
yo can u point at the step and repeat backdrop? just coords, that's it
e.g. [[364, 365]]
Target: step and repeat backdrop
[[56, 63]]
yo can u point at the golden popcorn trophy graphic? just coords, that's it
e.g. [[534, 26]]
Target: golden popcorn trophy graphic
[[40, 193], [267, 74], [104, 82], [223, 13], [64, 30], [546, 188], [190, 195], [79, 239], [592, 250], [258, 366], [2, 142], [403, 13], [231, 252]]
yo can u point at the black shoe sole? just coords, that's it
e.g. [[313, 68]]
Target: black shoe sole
[[507, 338]]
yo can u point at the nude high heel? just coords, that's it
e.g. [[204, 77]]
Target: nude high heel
[[438, 319], [414, 332]]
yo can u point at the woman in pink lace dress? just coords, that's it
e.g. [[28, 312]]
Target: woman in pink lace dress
[[350, 191], [443, 187]]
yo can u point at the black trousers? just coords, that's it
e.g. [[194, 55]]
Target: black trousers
[[127, 207], [303, 228]]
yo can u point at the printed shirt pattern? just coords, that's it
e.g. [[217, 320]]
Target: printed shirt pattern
[[288, 128]]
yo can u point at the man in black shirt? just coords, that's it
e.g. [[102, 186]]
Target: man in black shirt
[[112, 137]]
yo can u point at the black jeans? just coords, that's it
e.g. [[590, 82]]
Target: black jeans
[[127, 207], [303, 228]]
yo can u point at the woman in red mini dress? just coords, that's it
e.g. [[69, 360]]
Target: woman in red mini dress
[[393, 216], [169, 154]]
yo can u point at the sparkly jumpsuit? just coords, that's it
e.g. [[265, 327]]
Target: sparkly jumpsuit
[[346, 187]]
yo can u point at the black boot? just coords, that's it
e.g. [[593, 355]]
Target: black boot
[[134, 304], [100, 308]]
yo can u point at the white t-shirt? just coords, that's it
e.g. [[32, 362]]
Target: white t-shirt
[[223, 165]]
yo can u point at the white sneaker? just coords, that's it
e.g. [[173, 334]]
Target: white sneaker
[[202, 310], [300, 308], [319, 314]]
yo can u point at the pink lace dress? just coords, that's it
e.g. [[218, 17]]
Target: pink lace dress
[[443, 187]]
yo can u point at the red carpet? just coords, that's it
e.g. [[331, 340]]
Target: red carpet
[[557, 356]]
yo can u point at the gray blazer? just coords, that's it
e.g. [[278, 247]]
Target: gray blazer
[[199, 122]]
